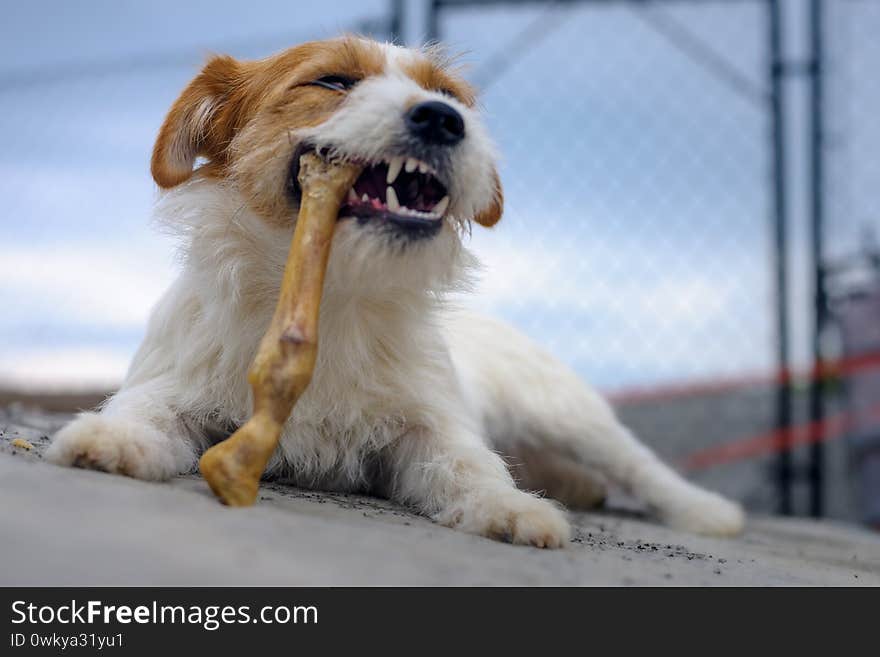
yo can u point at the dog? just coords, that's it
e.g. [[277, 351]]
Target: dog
[[412, 398]]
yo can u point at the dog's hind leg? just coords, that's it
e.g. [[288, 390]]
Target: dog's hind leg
[[526, 397], [541, 469]]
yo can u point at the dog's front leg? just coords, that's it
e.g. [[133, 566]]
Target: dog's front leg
[[136, 433], [457, 481]]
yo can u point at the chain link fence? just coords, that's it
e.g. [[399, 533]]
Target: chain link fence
[[636, 243]]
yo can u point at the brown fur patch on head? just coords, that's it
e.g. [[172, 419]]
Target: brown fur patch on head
[[348, 56], [434, 72], [260, 153], [227, 95]]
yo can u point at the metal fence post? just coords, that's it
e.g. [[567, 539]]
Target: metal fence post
[[779, 220], [433, 27], [395, 23], [815, 471]]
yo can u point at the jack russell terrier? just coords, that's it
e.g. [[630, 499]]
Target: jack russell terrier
[[411, 398]]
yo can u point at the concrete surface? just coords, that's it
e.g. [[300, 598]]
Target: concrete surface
[[75, 527]]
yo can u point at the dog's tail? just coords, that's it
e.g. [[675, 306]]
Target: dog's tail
[[531, 404]]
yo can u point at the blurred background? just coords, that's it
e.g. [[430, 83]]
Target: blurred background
[[693, 191]]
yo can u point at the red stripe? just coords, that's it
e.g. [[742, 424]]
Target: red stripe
[[778, 440], [775, 440]]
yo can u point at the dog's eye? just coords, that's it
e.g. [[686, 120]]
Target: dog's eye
[[335, 82]]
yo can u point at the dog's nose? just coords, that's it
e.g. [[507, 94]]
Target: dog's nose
[[435, 123]]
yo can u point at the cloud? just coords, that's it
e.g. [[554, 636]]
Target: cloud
[[621, 320], [108, 285], [554, 275], [69, 370], [72, 315]]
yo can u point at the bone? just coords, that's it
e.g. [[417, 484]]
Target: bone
[[282, 369]]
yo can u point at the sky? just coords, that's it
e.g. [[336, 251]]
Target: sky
[[635, 244]]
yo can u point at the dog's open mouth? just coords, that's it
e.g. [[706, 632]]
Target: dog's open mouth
[[402, 188], [399, 191]]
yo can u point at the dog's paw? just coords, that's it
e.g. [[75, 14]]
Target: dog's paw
[[543, 526], [703, 512], [113, 444], [513, 516]]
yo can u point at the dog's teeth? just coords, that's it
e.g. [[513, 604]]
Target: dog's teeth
[[391, 199], [352, 196], [423, 168], [365, 198], [394, 167], [440, 208], [411, 164]]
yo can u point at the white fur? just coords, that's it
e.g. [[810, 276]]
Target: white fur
[[409, 398]]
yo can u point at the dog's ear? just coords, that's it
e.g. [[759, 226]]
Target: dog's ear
[[200, 123], [491, 215]]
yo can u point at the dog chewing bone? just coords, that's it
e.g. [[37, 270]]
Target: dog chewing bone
[[283, 366]]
